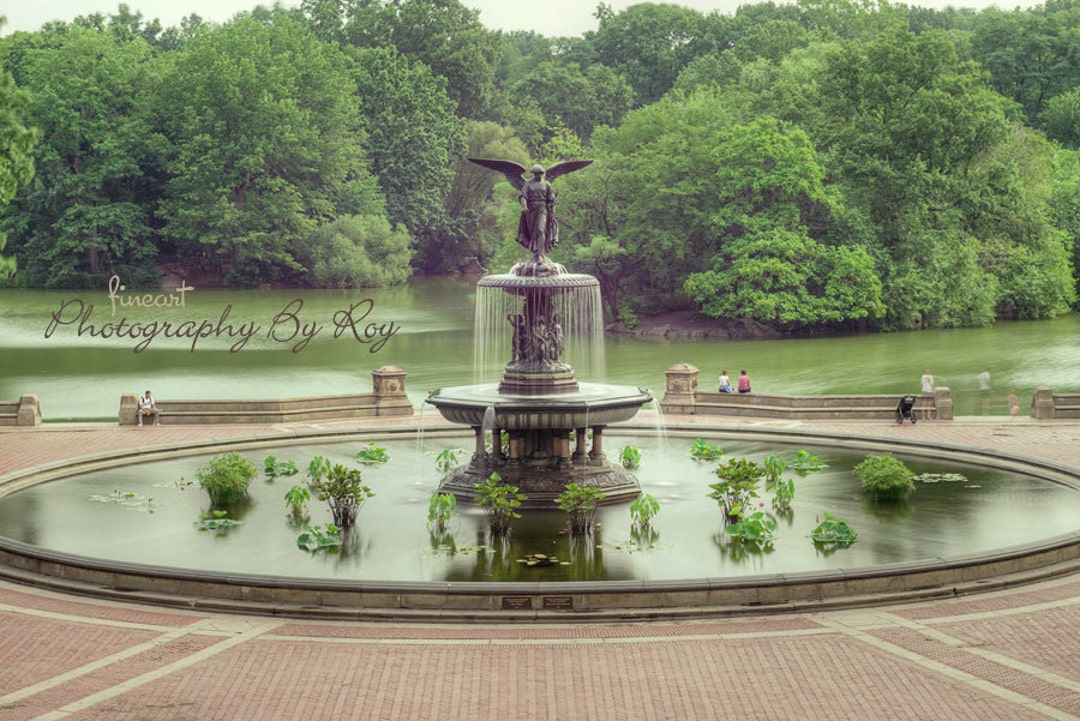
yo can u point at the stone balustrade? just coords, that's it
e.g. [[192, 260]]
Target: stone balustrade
[[1047, 405], [24, 412], [388, 398], [683, 396]]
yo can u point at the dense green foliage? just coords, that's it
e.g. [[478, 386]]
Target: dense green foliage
[[814, 166], [885, 478], [226, 478]]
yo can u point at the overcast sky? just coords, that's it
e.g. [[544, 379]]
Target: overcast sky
[[547, 17]]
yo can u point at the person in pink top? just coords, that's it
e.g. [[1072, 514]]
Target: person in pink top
[[744, 382]]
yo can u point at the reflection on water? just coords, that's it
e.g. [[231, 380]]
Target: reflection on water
[[988, 510], [83, 378]]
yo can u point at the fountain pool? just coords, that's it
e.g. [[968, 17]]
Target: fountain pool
[[996, 514]]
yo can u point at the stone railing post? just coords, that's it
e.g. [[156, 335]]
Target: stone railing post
[[29, 413], [1042, 405], [388, 386], [128, 409], [682, 383], [943, 405]]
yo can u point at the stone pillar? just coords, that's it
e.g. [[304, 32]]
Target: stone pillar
[[497, 457], [581, 452], [1042, 405], [388, 387], [682, 383], [478, 448], [943, 405], [562, 449], [597, 444], [29, 413], [517, 447], [129, 407]]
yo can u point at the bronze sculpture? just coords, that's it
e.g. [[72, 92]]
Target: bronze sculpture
[[538, 230]]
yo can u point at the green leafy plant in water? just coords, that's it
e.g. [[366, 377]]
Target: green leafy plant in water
[[320, 538], [343, 490], [804, 462], [753, 529], [783, 490], [273, 468], [317, 469], [215, 521], [441, 509], [630, 457], [448, 458], [703, 450], [500, 502], [226, 478], [737, 486], [643, 509], [885, 479], [296, 498], [833, 532], [371, 454], [783, 494], [580, 503]]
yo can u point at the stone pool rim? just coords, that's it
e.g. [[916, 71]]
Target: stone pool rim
[[302, 597]]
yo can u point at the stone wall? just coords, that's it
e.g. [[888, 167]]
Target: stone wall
[[683, 396], [24, 412], [388, 398]]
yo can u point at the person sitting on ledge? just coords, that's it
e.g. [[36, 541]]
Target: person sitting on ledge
[[744, 382], [725, 383], [147, 407]]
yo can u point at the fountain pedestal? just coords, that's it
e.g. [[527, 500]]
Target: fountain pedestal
[[539, 416]]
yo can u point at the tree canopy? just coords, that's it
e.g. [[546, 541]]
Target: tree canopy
[[816, 166]]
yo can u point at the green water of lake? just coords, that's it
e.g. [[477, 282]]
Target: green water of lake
[[427, 329]]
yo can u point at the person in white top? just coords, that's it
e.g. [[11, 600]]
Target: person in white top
[[928, 395], [147, 407], [725, 383]]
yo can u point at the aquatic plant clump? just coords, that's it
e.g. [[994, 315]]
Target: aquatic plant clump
[[500, 502], [885, 479], [226, 478], [580, 503]]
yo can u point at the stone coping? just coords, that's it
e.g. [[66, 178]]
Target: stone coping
[[567, 601]]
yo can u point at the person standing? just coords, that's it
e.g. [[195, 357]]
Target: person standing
[[744, 382], [928, 395], [984, 390]]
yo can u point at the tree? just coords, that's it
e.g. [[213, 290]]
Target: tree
[[16, 144], [265, 145], [582, 100], [412, 135], [356, 251], [445, 35], [89, 213], [649, 44], [769, 268]]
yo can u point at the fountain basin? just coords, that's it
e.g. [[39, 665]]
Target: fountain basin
[[594, 404], [960, 569]]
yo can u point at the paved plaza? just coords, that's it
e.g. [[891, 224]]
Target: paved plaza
[[1010, 654]]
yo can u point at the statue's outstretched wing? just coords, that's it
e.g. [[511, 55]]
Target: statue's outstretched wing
[[567, 166], [514, 173]]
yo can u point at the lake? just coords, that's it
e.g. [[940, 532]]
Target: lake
[[288, 343]]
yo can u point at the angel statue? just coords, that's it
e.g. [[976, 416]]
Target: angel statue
[[537, 230]]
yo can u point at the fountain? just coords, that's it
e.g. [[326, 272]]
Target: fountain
[[539, 415]]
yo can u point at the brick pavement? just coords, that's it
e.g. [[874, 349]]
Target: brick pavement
[[1011, 654]]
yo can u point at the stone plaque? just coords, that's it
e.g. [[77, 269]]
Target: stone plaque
[[516, 603], [558, 603]]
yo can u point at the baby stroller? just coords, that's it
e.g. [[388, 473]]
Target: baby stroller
[[905, 409]]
